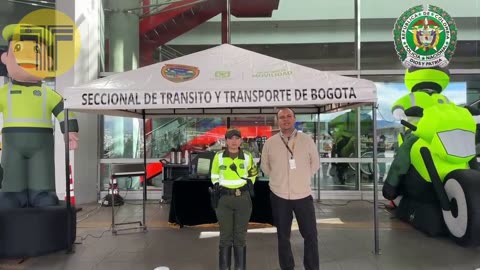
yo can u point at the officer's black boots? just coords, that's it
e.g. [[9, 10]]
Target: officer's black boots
[[225, 258], [240, 255]]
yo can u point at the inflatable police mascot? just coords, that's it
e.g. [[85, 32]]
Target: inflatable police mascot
[[432, 178], [27, 106], [398, 182]]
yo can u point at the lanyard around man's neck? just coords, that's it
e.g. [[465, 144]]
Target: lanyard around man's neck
[[294, 136]]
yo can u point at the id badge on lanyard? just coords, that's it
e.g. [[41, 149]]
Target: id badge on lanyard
[[292, 164]]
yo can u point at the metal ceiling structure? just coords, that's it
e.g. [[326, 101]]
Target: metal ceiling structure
[[164, 20], [36, 3]]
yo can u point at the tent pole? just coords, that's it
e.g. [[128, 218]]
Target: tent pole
[[357, 38], [226, 23], [317, 141], [144, 201], [375, 178], [67, 182]]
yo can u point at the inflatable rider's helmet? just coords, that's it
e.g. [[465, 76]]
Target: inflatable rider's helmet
[[435, 79]]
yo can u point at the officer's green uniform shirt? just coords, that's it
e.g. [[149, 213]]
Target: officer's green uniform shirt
[[222, 173], [29, 106]]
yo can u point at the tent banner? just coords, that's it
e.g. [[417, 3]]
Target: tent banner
[[212, 98], [220, 77]]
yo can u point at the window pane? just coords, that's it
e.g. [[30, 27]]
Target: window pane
[[338, 140], [122, 137], [377, 48]]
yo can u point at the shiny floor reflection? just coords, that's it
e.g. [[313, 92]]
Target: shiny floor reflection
[[345, 232]]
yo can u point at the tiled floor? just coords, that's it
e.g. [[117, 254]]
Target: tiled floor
[[346, 241]]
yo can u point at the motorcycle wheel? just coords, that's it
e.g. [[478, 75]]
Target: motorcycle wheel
[[463, 219]]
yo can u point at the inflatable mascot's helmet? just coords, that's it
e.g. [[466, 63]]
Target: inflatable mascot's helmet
[[435, 79]]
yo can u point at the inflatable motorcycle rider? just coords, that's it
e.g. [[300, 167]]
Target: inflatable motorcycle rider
[[418, 204]]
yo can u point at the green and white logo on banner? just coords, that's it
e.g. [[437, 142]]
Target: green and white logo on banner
[[425, 36]]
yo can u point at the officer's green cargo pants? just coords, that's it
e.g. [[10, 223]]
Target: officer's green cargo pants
[[233, 213]]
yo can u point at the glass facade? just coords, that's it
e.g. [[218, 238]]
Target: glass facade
[[352, 38]]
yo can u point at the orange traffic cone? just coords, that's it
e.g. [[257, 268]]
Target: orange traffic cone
[[72, 195]]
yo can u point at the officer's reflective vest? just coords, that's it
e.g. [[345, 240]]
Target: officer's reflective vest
[[30, 107], [226, 176], [419, 99]]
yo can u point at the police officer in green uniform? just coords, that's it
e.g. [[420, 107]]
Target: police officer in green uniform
[[231, 171], [27, 106]]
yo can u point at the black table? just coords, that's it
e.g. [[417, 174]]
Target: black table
[[190, 204]]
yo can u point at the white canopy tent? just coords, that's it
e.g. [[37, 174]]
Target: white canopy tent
[[224, 80], [221, 80]]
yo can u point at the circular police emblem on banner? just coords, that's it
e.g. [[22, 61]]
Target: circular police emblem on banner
[[425, 36], [179, 73]]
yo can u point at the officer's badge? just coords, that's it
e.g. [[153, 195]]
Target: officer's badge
[[37, 93], [253, 171], [242, 166], [223, 167]]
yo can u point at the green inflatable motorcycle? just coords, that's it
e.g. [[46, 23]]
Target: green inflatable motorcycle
[[440, 190]]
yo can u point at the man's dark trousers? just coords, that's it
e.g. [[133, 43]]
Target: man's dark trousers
[[304, 210]]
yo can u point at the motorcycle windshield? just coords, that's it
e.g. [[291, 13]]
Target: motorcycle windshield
[[458, 143]]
